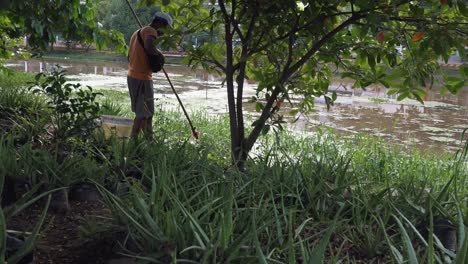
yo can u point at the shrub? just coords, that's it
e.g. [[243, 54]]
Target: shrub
[[74, 108]]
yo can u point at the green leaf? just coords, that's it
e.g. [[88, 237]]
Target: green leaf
[[412, 259], [461, 231], [318, 253], [24, 203], [462, 255], [259, 107], [29, 243], [260, 256], [395, 252], [430, 243], [392, 92], [464, 71], [402, 96], [371, 60], [418, 97], [462, 7], [294, 112]]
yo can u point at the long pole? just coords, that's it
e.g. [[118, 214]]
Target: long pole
[[194, 132], [134, 14]]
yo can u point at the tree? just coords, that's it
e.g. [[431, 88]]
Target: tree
[[292, 48], [43, 20], [115, 14]]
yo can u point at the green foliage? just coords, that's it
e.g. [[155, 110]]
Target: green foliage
[[15, 97], [311, 198], [187, 207], [111, 108], [22, 114], [10, 40], [116, 15], [74, 108], [72, 20], [292, 48], [15, 80]]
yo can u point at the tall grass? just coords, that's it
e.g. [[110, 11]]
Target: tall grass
[[302, 200], [21, 113], [12, 79]]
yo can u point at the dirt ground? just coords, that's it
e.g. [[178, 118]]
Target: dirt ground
[[61, 239]]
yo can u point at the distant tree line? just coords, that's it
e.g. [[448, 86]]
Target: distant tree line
[[116, 15]]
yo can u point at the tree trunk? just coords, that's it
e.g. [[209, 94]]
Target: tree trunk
[[240, 153], [235, 144]]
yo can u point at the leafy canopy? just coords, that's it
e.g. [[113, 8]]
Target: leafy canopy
[[293, 48], [395, 43], [44, 20]]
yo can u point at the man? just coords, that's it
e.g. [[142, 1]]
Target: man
[[139, 78]]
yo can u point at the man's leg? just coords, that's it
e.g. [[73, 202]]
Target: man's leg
[[136, 127], [143, 124], [148, 129], [149, 110], [135, 90]]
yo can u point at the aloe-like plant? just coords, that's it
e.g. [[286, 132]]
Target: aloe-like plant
[[187, 207]]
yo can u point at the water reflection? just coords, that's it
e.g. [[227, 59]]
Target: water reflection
[[438, 124]]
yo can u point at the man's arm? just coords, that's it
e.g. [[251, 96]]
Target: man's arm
[[150, 45]]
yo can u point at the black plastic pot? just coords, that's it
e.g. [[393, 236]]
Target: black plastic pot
[[447, 233], [84, 192], [59, 202], [444, 230], [15, 243]]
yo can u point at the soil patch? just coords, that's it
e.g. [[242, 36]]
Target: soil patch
[[60, 240]]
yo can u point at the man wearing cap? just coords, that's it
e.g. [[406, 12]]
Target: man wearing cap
[[139, 78]]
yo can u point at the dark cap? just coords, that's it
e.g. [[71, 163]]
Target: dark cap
[[163, 17]]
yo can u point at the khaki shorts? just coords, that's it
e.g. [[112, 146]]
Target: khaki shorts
[[141, 97]]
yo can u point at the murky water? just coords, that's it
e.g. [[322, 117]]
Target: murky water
[[436, 125]]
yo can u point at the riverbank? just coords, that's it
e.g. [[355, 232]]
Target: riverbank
[[101, 57], [436, 126]]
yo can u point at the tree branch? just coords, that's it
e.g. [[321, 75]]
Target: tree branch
[[286, 75], [318, 45], [291, 44], [218, 64]]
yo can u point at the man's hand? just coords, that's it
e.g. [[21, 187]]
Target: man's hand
[[161, 57]]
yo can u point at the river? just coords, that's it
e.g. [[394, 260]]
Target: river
[[437, 125]]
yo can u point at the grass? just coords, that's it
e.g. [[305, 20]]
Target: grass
[[22, 113], [115, 103], [11, 79], [190, 205], [354, 197], [82, 55], [302, 199], [378, 100]]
